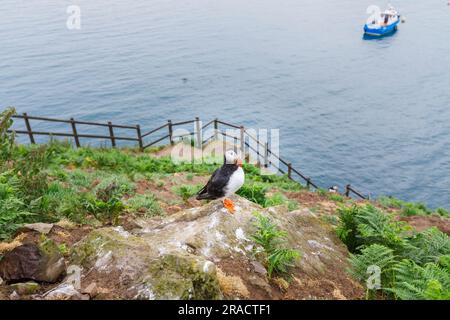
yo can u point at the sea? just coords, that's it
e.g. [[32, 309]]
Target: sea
[[374, 113]]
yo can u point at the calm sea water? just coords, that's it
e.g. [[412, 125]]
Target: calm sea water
[[374, 113]]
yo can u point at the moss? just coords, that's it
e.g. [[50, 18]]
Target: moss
[[103, 240], [83, 251], [182, 277], [48, 247]]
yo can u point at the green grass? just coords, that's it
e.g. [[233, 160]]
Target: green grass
[[257, 192], [443, 212], [336, 197], [275, 200], [292, 205], [254, 191], [6, 140], [146, 203], [89, 185], [410, 208], [186, 191]]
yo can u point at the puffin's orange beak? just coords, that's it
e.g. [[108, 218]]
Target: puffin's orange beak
[[239, 162]]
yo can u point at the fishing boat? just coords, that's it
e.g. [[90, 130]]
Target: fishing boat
[[384, 24]]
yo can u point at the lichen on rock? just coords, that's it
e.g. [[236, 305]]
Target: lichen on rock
[[192, 254]]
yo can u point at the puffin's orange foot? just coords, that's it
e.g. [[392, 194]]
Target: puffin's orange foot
[[229, 205]]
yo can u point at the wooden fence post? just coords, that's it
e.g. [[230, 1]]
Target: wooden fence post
[[75, 133], [290, 170], [266, 154], [169, 122], [139, 135], [216, 129], [242, 142], [111, 134], [347, 190], [27, 124], [198, 130]]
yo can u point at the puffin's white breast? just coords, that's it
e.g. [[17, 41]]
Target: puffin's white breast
[[236, 181]]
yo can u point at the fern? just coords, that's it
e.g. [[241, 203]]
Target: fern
[[269, 237], [280, 260], [444, 261], [413, 282], [375, 226], [347, 230], [424, 272], [373, 255], [268, 234], [428, 246], [362, 226]]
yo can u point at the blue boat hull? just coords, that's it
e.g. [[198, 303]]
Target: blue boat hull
[[381, 31]]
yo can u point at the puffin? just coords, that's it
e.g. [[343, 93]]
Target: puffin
[[225, 181], [333, 189]]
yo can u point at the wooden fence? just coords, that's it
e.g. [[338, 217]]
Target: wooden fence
[[140, 138], [74, 131]]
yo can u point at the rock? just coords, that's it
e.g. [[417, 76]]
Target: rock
[[104, 261], [44, 228], [91, 290], [64, 291], [259, 268], [192, 253], [25, 287], [14, 296], [260, 282], [281, 283], [41, 263], [66, 224]]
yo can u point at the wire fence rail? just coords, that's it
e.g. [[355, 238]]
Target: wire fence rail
[[140, 138]]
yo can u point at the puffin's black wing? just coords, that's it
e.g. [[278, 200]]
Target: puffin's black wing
[[215, 188], [203, 193]]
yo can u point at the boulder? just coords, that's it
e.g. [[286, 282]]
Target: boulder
[[40, 227], [91, 290], [14, 296], [259, 268], [64, 291], [208, 253], [41, 263], [22, 288]]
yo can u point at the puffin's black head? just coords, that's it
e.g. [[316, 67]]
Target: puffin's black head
[[230, 157]]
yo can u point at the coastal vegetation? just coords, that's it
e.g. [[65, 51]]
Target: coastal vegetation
[[268, 235], [410, 208], [48, 182], [106, 186], [412, 265]]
